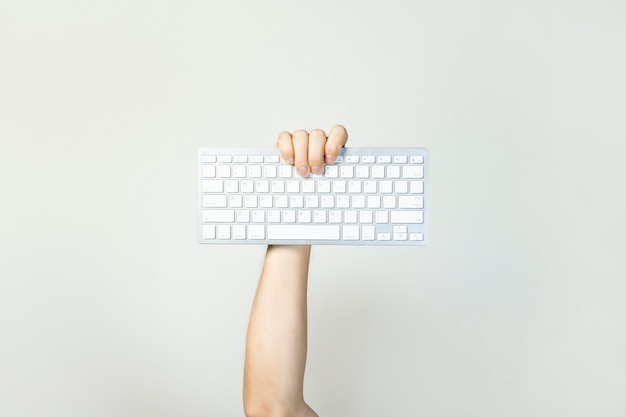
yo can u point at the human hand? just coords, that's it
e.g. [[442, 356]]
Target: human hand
[[309, 151]]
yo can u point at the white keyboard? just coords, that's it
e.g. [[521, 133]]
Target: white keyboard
[[369, 196]]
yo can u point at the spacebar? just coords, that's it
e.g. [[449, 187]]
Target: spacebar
[[297, 231]]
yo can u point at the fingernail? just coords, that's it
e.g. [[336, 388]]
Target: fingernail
[[316, 169], [330, 159], [303, 171], [290, 161]]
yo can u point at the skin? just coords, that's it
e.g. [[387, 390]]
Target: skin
[[276, 344]]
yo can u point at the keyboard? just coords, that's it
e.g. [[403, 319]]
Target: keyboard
[[369, 196]]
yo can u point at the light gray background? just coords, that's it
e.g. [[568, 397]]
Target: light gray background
[[109, 307]]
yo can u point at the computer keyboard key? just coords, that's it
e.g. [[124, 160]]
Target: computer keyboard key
[[331, 171], [410, 201], [308, 186], [266, 201], [223, 171], [339, 186], [385, 187], [304, 216], [400, 187], [368, 232], [381, 216], [285, 171], [218, 216], [262, 186], [350, 232], [208, 231], [323, 186], [256, 232], [243, 216], [251, 201], [413, 171], [362, 171], [369, 187], [417, 187], [231, 186], [269, 171], [358, 201], [223, 231], [334, 216], [278, 186], [347, 171], [297, 201], [239, 171], [239, 231], [312, 201], [293, 186], [289, 216], [343, 201], [373, 201], [389, 201], [208, 171], [319, 216], [214, 200], [281, 201], [300, 232], [328, 201], [213, 186], [350, 216], [246, 186], [254, 171], [407, 216], [399, 236], [258, 216], [366, 216], [273, 216], [378, 171], [235, 201], [393, 171], [354, 186]]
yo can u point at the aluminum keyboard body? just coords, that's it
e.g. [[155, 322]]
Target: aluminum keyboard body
[[369, 196]]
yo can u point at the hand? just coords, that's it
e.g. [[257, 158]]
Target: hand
[[309, 151]]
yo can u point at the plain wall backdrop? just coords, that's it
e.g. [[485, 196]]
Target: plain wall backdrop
[[109, 306]]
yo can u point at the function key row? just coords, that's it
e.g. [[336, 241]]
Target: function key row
[[384, 159], [349, 159], [226, 159]]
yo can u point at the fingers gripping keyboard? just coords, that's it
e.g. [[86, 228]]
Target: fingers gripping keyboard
[[369, 196]]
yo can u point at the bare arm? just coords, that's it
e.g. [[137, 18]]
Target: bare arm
[[277, 336], [276, 345]]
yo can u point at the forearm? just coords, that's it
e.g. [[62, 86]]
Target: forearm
[[277, 335]]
